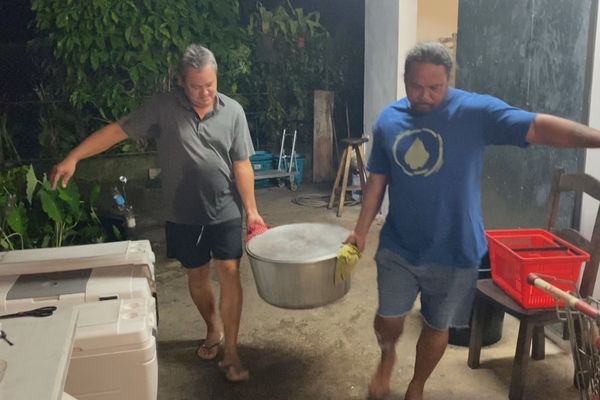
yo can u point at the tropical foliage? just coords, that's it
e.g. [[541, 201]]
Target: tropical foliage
[[114, 53], [34, 215], [291, 51]]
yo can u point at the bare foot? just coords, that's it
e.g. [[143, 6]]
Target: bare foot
[[234, 373], [414, 391], [378, 388]]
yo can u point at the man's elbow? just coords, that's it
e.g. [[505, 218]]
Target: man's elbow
[[242, 167]]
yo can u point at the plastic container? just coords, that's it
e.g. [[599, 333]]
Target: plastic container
[[299, 160], [114, 351], [76, 275], [70, 258], [114, 345], [262, 161], [516, 253]]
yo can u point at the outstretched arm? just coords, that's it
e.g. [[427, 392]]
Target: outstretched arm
[[244, 182], [560, 132], [371, 202], [97, 142]]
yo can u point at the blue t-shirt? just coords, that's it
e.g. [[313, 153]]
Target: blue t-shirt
[[433, 162]]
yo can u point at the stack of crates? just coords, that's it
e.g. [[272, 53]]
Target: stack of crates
[[515, 253]]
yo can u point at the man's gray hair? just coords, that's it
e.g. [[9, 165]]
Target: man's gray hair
[[197, 57], [431, 53]]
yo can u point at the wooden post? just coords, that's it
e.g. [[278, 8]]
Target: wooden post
[[323, 136]]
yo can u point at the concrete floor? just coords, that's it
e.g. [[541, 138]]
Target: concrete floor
[[323, 353]]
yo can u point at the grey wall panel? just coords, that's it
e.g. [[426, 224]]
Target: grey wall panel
[[532, 54]]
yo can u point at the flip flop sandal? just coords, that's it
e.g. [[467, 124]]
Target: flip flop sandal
[[233, 373], [208, 352]]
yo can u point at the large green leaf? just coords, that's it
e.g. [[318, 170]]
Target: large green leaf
[[32, 183], [17, 220], [50, 207], [70, 195]]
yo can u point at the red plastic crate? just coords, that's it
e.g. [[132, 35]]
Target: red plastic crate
[[514, 253]]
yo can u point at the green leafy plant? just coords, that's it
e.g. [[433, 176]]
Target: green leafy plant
[[34, 215], [291, 50], [114, 53]]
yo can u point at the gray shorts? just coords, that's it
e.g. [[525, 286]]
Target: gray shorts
[[447, 293]]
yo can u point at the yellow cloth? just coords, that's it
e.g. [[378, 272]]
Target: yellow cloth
[[347, 257]]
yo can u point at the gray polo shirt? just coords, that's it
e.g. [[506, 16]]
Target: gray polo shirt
[[196, 155]]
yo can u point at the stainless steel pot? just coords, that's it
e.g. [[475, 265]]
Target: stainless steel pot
[[294, 265]]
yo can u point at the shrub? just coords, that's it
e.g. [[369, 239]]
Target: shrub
[[34, 215]]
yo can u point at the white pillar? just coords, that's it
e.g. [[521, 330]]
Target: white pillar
[[390, 31]]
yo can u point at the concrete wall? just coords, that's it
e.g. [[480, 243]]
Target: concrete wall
[[437, 19], [107, 169]]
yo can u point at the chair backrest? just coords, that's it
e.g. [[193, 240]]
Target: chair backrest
[[578, 183]]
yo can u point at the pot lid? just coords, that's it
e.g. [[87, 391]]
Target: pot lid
[[298, 243]]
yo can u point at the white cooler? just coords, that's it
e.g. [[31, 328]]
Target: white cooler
[[70, 258], [114, 351], [75, 275]]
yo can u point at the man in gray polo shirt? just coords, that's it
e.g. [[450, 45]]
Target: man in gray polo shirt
[[204, 147]]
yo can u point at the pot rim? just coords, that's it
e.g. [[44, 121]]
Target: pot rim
[[309, 261]]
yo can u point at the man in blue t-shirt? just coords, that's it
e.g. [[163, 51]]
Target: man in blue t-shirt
[[428, 151]]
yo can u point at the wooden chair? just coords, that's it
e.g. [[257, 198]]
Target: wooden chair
[[532, 321]]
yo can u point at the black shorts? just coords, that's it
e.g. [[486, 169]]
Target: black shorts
[[195, 245]]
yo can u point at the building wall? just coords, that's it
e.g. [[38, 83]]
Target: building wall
[[436, 19]]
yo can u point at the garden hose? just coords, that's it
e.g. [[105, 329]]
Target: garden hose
[[316, 200]]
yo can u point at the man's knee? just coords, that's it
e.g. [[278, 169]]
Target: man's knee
[[229, 270], [388, 330], [198, 276]]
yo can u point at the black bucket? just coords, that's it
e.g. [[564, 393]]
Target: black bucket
[[492, 321]]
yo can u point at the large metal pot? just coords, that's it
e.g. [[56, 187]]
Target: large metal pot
[[294, 265]]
